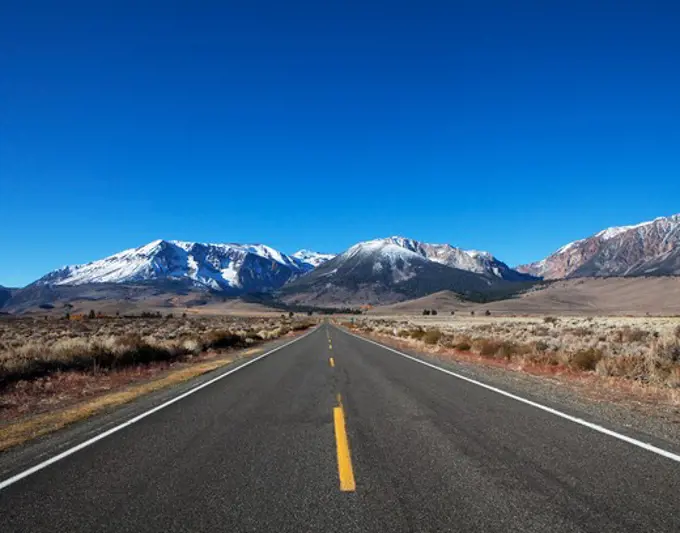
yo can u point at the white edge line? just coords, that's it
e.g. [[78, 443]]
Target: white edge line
[[21, 475], [576, 420]]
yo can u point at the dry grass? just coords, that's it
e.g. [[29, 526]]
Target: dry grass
[[56, 371], [14, 434], [643, 349], [34, 348]]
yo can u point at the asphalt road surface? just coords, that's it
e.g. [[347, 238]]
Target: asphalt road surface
[[333, 433]]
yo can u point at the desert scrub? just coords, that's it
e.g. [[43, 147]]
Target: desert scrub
[[628, 334], [644, 349], [432, 336], [586, 359], [503, 349], [32, 348]]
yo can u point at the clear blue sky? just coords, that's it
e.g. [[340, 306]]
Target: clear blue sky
[[509, 126]]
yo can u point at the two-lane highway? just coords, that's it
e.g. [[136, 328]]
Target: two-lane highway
[[334, 433]]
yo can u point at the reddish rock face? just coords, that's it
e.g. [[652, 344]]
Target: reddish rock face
[[651, 248]]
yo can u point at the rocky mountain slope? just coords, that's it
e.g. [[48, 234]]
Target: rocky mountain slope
[[385, 271], [310, 260], [470, 260], [230, 268], [5, 295], [378, 271], [647, 249]]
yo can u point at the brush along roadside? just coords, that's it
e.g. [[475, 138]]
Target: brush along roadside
[[41, 402], [641, 358]]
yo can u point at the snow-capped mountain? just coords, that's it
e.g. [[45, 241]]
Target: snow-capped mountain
[[650, 248], [310, 260], [389, 270], [445, 254], [224, 267]]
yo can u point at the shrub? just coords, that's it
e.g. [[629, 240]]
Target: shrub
[[463, 346], [433, 312], [625, 366], [668, 352], [432, 336], [223, 339], [550, 320], [541, 346], [426, 312], [579, 332], [586, 359], [677, 332], [417, 333], [488, 347], [628, 334], [507, 349], [499, 348], [487, 312]]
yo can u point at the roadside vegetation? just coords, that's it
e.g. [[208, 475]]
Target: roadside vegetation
[[46, 363], [643, 350]]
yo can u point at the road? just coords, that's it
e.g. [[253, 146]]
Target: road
[[367, 441]]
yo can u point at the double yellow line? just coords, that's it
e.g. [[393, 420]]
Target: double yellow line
[[345, 470]]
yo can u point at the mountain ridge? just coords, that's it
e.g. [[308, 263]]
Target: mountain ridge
[[648, 248], [384, 271], [232, 268]]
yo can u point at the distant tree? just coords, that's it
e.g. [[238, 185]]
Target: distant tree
[[290, 314], [426, 311], [169, 315], [67, 316], [472, 313], [310, 313], [117, 313], [487, 312], [184, 315], [453, 312], [433, 312], [92, 314]]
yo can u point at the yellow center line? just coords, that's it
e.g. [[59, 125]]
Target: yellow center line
[[332, 362], [345, 471]]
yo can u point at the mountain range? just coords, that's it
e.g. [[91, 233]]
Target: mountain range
[[391, 269], [647, 249], [230, 268], [379, 271], [396, 269]]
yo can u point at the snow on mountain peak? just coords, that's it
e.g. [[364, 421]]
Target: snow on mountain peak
[[647, 248], [471, 260], [238, 267], [311, 258]]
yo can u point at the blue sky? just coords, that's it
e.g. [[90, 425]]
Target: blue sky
[[508, 126]]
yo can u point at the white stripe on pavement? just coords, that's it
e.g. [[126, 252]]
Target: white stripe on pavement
[[635, 442], [103, 435]]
